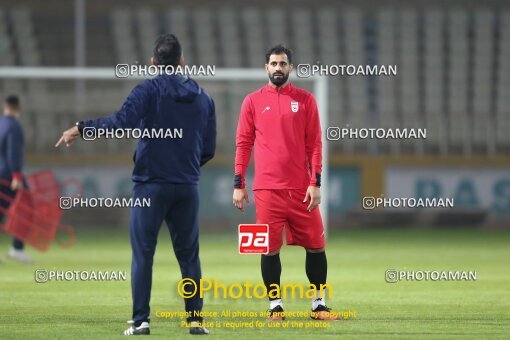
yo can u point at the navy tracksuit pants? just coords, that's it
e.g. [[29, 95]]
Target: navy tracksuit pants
[[177, 205]]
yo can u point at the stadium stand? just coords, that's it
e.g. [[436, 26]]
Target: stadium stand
[[453, 65]]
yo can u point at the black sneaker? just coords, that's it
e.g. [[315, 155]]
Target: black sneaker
[[143, 329], [196, 328], [322, 312], [276, 314]]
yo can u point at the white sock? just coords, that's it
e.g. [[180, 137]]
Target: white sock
[[319, 299], [274, 303]]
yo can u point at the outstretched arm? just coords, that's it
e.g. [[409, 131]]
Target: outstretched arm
[[129, 116]]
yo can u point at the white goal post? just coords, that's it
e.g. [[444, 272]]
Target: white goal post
[[320, 89]]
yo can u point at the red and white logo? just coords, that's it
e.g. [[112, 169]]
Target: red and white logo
[[294, 106], [253, 239]]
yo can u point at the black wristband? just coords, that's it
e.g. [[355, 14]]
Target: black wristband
[[238, 181], [80, 125], [317, 180]]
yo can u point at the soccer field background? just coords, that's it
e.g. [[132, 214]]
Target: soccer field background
[[357, 264], [66, 62]]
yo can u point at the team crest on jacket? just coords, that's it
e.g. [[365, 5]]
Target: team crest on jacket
[[294, 106]]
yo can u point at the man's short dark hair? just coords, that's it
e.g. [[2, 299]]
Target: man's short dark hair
[[279, 49], [167, 50], [12, 102]]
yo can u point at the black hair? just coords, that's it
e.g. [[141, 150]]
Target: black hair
[[279, 49], [13, 102], [167, 50]]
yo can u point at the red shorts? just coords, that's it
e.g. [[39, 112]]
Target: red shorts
[[284, 208]]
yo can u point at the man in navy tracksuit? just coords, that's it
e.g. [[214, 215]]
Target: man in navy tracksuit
[[11, 164], [167, 171]]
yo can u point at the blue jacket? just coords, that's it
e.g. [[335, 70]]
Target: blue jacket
[[11, 147], [167, 102]]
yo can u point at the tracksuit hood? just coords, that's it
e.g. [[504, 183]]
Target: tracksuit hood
[[182, 88]]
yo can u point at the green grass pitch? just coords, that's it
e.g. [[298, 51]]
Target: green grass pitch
[[357, 263]]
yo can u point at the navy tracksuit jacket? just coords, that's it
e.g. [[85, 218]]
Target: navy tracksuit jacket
[[11, 147], [167, 171]]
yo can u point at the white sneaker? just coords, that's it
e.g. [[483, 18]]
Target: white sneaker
[[143, 329], [196, 328], [19, 255]]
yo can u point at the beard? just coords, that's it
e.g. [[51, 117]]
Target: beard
[[280, 79]]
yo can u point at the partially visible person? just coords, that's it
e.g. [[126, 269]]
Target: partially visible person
[[11, 164]]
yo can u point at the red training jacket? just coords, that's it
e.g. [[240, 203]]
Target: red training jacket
[[283, 124]]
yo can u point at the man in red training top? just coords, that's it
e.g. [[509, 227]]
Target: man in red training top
[[282, 121]]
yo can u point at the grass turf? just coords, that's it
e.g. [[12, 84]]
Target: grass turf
[[357, 263]]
